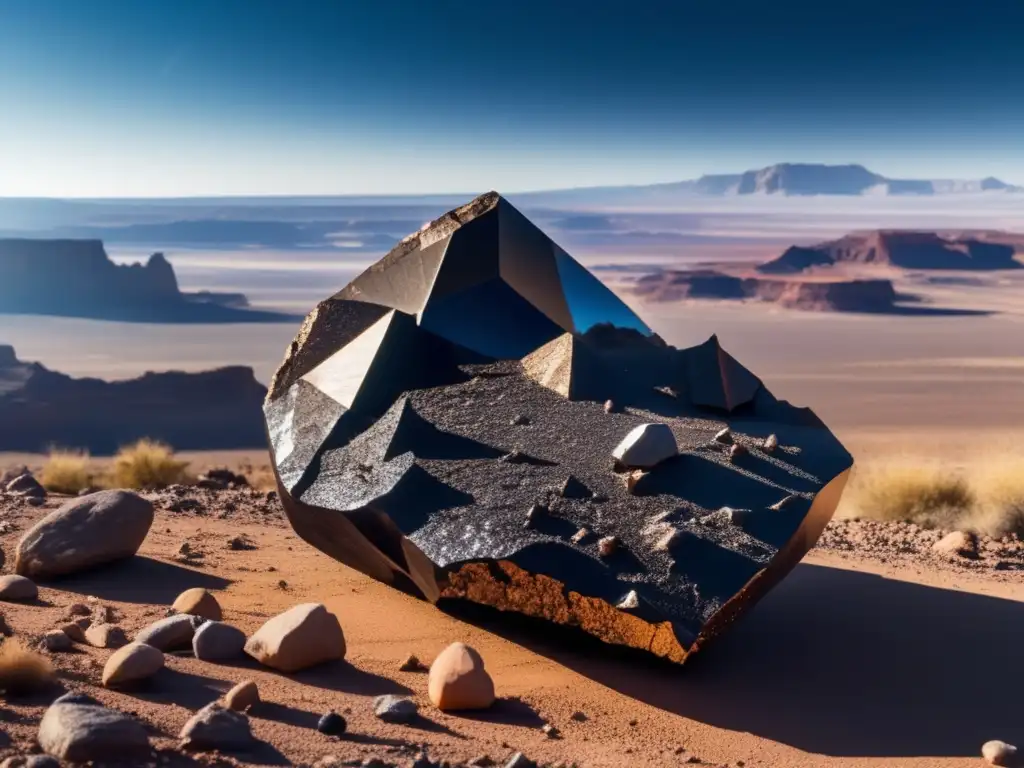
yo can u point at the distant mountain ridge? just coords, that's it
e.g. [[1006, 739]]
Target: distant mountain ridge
[[782, 179]]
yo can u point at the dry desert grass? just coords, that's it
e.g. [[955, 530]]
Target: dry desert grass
[[67, 471], [985, 495], [22, 670], [147, 464]]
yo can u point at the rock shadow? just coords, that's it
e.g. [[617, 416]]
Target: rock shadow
[[507, 711], [137, 579], [833, 662], [343, 677]]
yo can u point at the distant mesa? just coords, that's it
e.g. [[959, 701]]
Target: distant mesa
[[76, 278], [905, 250], [808, 277], [872, 295], [39, 408]]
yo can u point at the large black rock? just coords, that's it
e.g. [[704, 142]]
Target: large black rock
[[440, 425]]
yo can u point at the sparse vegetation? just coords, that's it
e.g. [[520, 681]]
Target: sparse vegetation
[[66, 471], [147, 464], [986, 497], [23, 670]]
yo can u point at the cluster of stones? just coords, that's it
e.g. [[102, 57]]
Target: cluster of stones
[[112, 525]]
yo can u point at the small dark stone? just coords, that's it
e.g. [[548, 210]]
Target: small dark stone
[[483, 761], [332, 724], [395, 709], [520, 421], [579, 717]]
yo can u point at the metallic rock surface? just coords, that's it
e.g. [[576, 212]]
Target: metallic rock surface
[[423, 414]]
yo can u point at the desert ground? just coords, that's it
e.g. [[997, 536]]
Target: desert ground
[[885, 655], [875, 651]]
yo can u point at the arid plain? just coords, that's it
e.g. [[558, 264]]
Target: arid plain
[[885, 655]]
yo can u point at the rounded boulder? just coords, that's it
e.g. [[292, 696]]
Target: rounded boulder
[[87, 531], [458, 680]]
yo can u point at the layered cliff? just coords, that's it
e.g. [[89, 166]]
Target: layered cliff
[[39, 408], [818, 295], [906, 250], [76, 278]]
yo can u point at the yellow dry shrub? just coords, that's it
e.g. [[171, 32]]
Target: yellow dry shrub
[[932, 495], [147, 464], [23, 670], [66, 471]]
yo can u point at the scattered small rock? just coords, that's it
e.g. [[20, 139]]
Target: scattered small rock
[[15, 588], [633, 479], [198, 602], [395, 709], [82, 733], [412, 664], [630, 601], [240, 543], [551, 732], [216, 728], [332, 724], [608, 546], [76, 630], [133, 663], [534, 515], [242, 696], [957, 544], [172, 633], [217, 641], [458, 680], [580, 535], [79, 609], [26, 485], [999, 753], [301, 637], [646, 446], [572, 488], [87, 531], [520, 421], [609, 406], [579, 717], [783, 503], [519, 760], [105, 636], [56, 641], [736, 450], [770, 443]]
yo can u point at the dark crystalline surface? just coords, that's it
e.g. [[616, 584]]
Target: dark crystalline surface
[[440, 425]]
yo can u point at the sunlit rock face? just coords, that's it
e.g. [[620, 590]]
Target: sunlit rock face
[[440, 425]]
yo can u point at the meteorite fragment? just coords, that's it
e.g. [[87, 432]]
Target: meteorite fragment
[[398, 405]]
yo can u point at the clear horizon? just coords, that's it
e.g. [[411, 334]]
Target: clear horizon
[[128, 100]]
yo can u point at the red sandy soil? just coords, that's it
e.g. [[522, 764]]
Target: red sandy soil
[[851, 661]]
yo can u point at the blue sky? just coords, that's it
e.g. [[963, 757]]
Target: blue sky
[[194, 97]]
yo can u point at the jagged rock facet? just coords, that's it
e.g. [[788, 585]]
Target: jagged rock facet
[[398, 405]]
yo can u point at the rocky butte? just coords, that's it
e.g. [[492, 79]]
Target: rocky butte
[[476, 417], [40, 408], [76, 278]]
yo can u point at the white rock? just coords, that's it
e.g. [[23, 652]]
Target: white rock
[[242, 696], [87, 531], [957, 543], [646, 445], [998, 753]]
